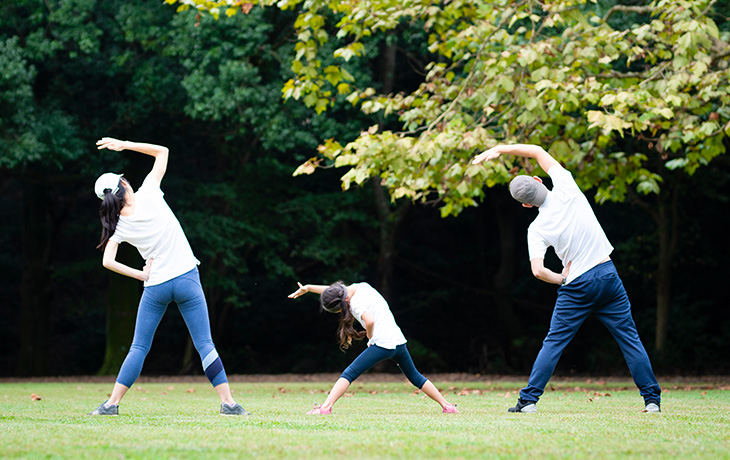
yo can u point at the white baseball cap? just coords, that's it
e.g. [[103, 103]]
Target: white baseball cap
[[107, 181]]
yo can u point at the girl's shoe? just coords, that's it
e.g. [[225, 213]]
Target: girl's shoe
[[451, 409], [233, 409], [106, 409], [319, 411]]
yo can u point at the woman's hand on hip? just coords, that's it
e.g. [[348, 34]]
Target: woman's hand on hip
[[146, 269]]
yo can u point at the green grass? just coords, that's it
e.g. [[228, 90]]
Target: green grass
[[379, 420]]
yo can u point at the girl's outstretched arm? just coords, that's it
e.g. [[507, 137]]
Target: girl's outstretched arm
[[303, 289], [159, 152], [109, 261]]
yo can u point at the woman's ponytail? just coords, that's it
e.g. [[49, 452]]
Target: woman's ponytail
[[334, 300], [111, 206]]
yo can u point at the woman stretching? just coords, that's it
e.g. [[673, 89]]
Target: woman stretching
[[144, 220], [385, 340]]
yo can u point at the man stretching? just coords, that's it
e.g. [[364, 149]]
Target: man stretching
[[589, 281]]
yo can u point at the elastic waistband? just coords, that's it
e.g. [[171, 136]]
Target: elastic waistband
[[599, 270]]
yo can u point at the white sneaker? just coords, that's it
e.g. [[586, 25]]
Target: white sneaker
[[524, 406], [652, 407]]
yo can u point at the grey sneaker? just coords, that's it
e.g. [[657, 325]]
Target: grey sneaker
[[105, 409], [652, 407], [524, 406], [233, 409]]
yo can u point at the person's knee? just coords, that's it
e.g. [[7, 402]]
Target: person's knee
[[350, 375]]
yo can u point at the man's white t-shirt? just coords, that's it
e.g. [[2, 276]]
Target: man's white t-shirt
[[566, 222], [155, 231], [386, 333]]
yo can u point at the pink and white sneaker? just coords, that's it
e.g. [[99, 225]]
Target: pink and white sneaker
[[451, 409], [319, 411]]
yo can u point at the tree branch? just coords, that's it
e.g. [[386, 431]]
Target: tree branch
[[627, 9]]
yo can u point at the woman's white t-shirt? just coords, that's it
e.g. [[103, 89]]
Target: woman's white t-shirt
[[567, 223], [156, 233], [386, 333]]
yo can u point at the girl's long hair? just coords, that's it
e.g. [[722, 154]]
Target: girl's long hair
[[334, 300], [111, 206]]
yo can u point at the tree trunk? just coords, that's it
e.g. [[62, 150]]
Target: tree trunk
[[664, 214], [121, 312], [504, 216], [666, 220], [390, 219], [35, 294]]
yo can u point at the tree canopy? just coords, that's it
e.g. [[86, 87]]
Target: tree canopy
[[553, 73]]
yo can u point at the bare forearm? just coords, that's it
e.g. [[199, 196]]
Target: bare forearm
[[148, 149], [315, 288], [125, 270], [548, 276], [545, 274], [522, 150]]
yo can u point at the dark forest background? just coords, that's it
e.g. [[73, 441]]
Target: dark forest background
[[459, 287]]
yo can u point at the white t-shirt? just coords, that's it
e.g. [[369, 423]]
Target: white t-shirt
[[567, 223], [155, 231], [386, 333]]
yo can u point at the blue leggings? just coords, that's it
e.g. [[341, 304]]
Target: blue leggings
[[374, 354], [598, 291], [187, 292]]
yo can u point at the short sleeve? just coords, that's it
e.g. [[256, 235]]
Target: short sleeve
[[358, 303], [536, 245], [151, 186], [562, 178]]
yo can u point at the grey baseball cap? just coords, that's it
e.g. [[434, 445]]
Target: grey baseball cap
[[526, 189]]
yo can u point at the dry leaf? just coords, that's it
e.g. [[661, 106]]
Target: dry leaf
[[190, 390], [34, 397]]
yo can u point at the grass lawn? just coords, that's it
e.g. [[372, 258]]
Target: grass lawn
[[376, 420]]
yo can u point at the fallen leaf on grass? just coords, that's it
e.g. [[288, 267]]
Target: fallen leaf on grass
[[171, 387], [349, 395], [190, 390], [34, 397]]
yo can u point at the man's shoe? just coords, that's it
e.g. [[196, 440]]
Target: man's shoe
[[524, 406], [105, 409], [652, 407], [233, 409], [450, 409], [319, 411]]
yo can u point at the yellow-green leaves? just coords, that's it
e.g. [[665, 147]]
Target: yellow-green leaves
[[546, 73]]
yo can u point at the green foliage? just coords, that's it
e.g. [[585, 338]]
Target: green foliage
[[556, 74]]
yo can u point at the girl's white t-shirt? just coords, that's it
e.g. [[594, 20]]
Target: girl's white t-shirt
[[156, 233], [386, 333], [566, 222]]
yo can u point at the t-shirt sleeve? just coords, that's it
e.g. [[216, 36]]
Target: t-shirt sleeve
[[358, 304], [536, 245], [151, 186], [117, 238], [562, 178]]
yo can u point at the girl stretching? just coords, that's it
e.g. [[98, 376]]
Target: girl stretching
[[144, 220], [385, 339]]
